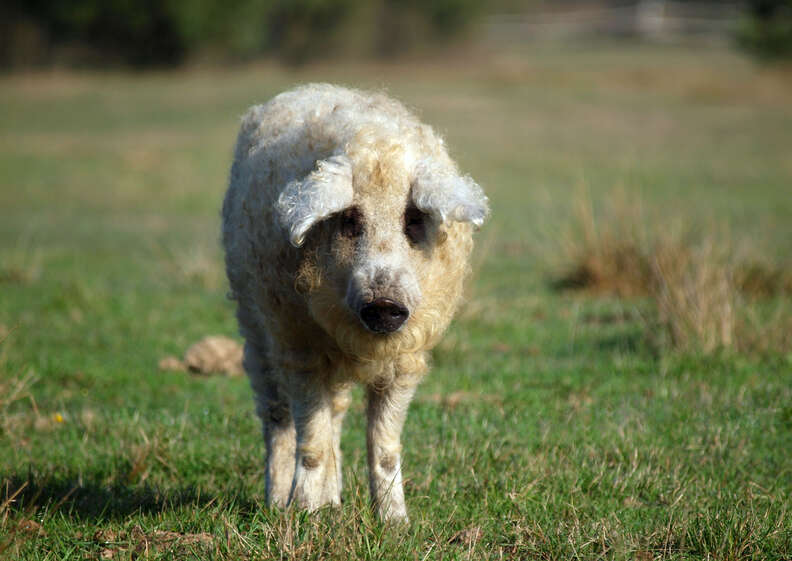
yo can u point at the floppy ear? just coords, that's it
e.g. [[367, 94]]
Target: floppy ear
[[324, 191], [448, 196]]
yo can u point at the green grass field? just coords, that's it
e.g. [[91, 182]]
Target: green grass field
[[551, 426]]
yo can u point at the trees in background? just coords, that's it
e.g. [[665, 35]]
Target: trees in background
[[768, 31], [167, 32]]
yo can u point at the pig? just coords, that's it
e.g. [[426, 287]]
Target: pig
[[347, 231]]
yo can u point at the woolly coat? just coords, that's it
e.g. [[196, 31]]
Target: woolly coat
[[300, 160]]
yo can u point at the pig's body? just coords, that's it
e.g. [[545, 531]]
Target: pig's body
[[347, 231]]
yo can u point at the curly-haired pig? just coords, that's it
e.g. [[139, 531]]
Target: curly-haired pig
[[348, 231]]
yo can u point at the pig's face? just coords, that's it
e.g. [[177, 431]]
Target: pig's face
[[392, 242], [379, 251]]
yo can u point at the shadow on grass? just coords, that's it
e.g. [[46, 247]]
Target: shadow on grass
[[604, 344], [93, 500], [626, 343]]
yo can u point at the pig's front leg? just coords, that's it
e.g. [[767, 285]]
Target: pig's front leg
[[340, 402], [316, 480], [273, 408], [387, 410], [279, 437]]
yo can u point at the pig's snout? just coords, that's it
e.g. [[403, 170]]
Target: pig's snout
[[384, 315]]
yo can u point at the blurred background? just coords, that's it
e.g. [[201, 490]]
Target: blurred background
[[38, 33], [618, 384]]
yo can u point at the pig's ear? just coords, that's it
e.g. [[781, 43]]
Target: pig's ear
[[324, 191], [448, 196]]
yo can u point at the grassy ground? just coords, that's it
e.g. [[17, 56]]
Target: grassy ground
[[551, 427]]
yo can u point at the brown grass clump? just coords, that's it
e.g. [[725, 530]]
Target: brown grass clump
[[760, 279], [608, 256], [767, 332], [13, 389], [705, 298], [695, 294]]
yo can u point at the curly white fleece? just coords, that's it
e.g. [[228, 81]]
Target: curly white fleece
[[300, 283]]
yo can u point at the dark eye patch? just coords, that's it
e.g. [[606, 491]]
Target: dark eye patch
[[352, 223], [415, 224]]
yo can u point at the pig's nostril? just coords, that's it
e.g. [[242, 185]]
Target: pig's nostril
[[384, 315]]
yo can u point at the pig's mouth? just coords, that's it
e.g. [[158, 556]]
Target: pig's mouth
[[383, 315]]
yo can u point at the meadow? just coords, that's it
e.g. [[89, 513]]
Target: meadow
[[555, 424]]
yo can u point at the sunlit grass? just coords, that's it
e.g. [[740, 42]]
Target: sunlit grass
[[553, 426]]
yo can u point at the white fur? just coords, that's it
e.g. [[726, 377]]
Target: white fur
[[300, 281], [448, 196], [324, 192]]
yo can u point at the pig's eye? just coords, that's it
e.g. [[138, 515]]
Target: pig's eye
[[415, 224], [351, 223]]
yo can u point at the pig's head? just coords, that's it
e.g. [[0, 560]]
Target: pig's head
[[386, 233]]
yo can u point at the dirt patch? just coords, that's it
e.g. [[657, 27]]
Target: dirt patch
[[139, 544], [30, 527], [214, 354], [468, 537]]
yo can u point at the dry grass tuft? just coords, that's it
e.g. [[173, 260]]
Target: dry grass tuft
[[761, 279], [703, 294], [695, 294], [198, 264], [452, 400], [22, 263], [765, 333], [12, 390], [606, 256]]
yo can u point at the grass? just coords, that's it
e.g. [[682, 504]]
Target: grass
[[551, 426], [704, 299]]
